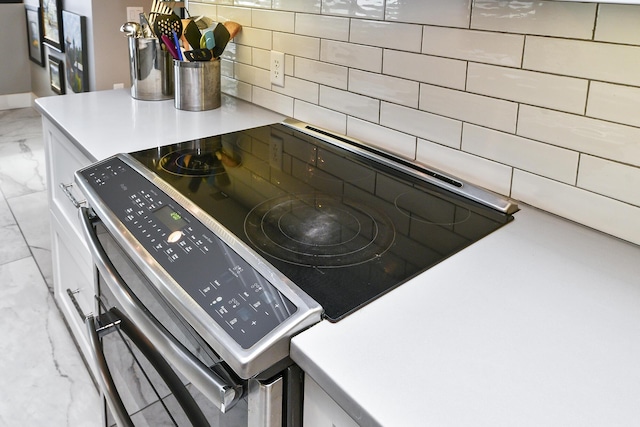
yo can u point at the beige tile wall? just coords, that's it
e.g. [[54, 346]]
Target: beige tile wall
[[536, 100]]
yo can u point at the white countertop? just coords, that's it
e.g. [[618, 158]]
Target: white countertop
[[537, 324], [104, 123]]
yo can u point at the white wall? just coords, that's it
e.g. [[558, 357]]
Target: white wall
[[108, 60], [537, 100], [15, 83]]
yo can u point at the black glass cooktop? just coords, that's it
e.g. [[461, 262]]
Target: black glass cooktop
[[344, 228]]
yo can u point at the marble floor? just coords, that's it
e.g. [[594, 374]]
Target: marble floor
[[43, 381]]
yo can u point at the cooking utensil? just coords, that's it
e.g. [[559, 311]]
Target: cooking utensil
[[170, 46], [233, 28], [203, 22], [158, 8], [198, 55], [167, 25], [191, 32], [221, 35], [175, 40], [207, 41], [131, 29], [147, 31]]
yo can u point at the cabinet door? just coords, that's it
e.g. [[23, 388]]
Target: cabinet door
[[320, 410], [74, 290], [73, 277], [63, 160]]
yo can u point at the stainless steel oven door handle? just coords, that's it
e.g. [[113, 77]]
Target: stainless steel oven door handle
[[222, 394], [108, 321], [105, 380]]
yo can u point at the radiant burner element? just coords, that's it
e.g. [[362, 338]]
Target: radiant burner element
[[316, 230], [196, 162]]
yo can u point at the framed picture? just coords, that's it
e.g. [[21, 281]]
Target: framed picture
[[55, 75], [52, 23], [75, 42], [34, 34]]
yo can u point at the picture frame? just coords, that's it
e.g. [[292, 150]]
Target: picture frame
[[34, 34], [75, 48], [52, 24], [56, 75]]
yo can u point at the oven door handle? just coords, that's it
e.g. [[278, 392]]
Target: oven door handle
[[224, 395], [105, 380], [168, 375]]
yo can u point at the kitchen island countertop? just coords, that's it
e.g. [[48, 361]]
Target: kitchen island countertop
[[536, 324], [105, 123]]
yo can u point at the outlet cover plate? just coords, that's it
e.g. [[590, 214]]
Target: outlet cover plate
[[277, 68]]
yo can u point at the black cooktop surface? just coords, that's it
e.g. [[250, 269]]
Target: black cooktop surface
[[342, 227]]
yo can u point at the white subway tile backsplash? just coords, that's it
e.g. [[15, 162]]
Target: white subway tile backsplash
[[545, 90], [273, 101], [597, 137], [321, 72], [254, 37], [366, 58], [350, 103], [471, 45], [320, 116], [293, 44], [392, 35], [614, 102], [593, 210], [482, 110], [450, 13], [325, 27], [309, 6], [537, 99], [204, 9], [299, 89], [424, 68], [253, 75], [482, 172], [545, 18], [371, 9], [273, 20], [600, 138], [253, 3], [238, 53], [422, 124], [611, 179], [236, 88], [227, 67], [261, 58], [618, 23], [399, 143], [383, 87], [522, 153], [592, 60], [241, 15]]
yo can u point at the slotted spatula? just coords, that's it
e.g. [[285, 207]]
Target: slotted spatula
[[167, 25]]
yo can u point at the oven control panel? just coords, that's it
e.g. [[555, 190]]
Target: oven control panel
[[237, 297]]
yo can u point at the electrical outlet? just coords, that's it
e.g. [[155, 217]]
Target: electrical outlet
[[277, 68]]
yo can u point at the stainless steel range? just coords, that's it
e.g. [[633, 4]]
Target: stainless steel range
[[213, 253]]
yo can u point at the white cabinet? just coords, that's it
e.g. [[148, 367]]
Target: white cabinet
[[320, 410], [73, 272]]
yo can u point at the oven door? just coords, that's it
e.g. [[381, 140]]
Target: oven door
[[155, 369]]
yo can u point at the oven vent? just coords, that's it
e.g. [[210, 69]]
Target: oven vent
[[387, 156]]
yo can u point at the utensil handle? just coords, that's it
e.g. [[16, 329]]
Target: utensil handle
[[170, 46]]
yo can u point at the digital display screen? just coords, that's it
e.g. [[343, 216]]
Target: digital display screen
[[172, 219]]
